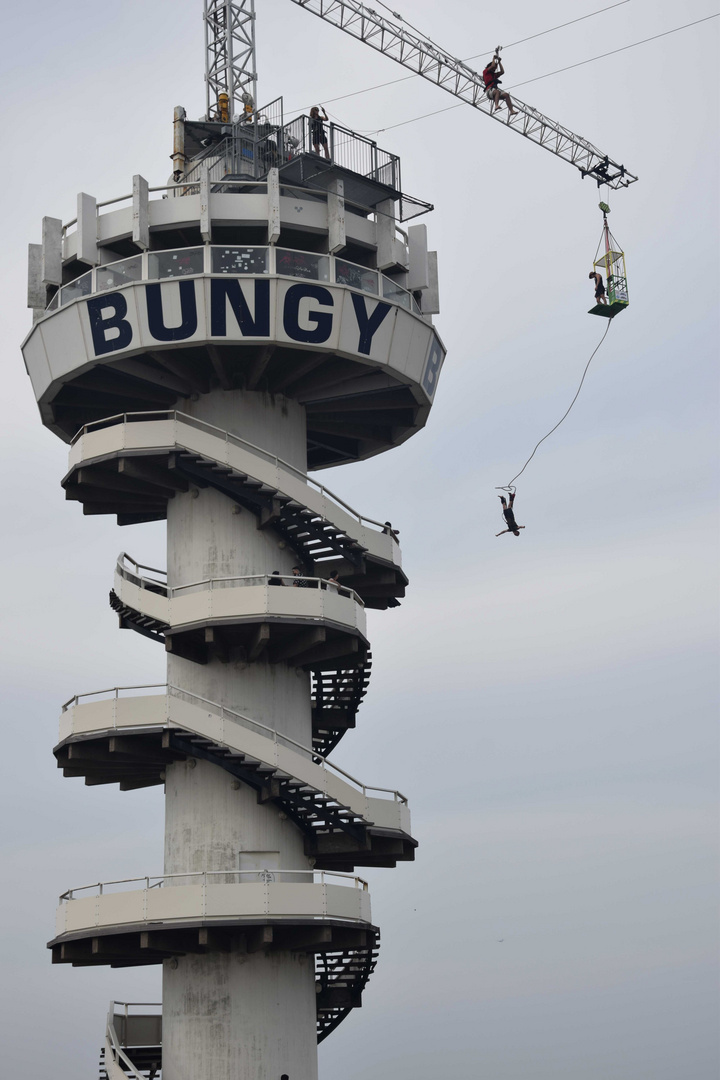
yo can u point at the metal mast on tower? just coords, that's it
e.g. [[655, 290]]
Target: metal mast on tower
[[229, 52]]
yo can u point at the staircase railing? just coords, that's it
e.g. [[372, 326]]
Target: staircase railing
[[118, 1057], [264, 875], [226, 436], [245, 721], [224, 582]]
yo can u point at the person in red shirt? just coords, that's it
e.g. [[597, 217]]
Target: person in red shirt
[[491, 78]]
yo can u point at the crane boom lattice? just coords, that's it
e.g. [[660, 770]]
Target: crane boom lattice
[[424, 58], [229, 51]]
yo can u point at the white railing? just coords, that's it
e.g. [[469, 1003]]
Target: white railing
[[247, 722], [120, 1058], [200, 877], [302, 581], [191, 187], [219, 261], [235, 440]]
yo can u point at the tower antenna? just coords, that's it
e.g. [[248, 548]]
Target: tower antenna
[[229, 55]]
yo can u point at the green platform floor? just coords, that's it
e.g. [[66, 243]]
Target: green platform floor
[[608, 310]]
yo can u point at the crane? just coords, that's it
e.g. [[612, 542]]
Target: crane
[[230, 75], [424, 58]]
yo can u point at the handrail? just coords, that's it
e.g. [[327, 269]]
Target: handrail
[[111, 690], [193, 421], [171, 590], [118, 1051], [137, 1005], [222, 710], [144, 566], [112, 1038], [265, 875]]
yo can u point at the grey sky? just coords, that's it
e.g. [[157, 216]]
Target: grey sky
[[548, 703]]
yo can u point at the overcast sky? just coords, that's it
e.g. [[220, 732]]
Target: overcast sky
[[548, 703]]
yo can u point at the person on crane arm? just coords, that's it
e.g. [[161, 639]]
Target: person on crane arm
[[491, 78], [509, 515]]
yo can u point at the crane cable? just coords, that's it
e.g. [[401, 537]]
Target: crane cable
[[475, 56], [509, 485], [537, 78]]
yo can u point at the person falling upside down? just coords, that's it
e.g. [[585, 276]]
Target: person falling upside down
[[508, 514]]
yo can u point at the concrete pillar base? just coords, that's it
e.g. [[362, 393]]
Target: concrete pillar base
[[239, 1016]]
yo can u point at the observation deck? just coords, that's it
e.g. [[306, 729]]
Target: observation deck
[[264, 284]]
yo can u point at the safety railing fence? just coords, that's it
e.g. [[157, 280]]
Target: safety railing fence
[[249, 150], [215, 260], [206, 877], [233, 184], [302, 581], [235, 440], [345, 148], [128, 1006], [223, 712], [162, 581], [128, 1028]]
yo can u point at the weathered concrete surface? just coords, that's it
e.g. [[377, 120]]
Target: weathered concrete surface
[[234, 1016]]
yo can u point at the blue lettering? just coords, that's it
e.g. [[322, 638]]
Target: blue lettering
[[188, 313], [321, 319], [116, 321], [224, 289], [367, 326], [432, 368]]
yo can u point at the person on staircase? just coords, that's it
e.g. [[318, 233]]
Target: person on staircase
[[333, 582]]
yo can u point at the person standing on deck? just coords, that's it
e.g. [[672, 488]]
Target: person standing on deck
[[317, 130]]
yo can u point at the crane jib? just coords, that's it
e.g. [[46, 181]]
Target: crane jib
[[425, 59]]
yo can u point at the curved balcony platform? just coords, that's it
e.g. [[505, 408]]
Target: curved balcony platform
[[268, 911], [243, 615], [131, 740], [131, 465], [365, 366]]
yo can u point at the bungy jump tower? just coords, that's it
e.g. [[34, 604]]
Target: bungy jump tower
[[200, 347]]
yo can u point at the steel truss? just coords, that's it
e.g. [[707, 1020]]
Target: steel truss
[[424, 58], [229, 51]]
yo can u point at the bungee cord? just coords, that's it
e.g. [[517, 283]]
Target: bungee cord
[[511, 484]]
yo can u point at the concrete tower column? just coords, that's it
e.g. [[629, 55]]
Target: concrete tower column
[[230, 1014]]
